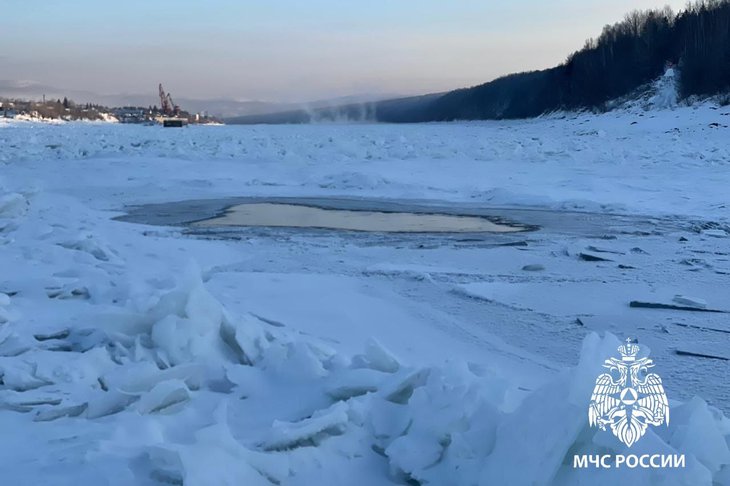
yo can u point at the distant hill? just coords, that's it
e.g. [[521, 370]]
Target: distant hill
[[232, 109], [626, 56], [399, 109]]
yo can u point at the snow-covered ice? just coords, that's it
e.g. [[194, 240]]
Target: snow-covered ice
[[140, 354]]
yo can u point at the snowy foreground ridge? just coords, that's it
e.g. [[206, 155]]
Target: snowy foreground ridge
[[121, 367]]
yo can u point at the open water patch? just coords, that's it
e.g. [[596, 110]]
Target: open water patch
[[287, 215]]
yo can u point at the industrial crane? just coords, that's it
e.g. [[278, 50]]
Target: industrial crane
[[168, 106]]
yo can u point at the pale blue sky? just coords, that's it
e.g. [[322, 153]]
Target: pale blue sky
[[288, 50]]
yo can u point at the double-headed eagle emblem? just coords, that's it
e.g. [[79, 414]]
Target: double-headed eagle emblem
[[628, 399]]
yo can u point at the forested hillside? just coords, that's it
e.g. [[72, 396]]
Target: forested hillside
[[625, 56]]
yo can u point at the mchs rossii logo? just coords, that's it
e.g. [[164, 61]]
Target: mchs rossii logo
[[626, 400]]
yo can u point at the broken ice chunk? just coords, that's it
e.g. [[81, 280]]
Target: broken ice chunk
[[690, 301], [603, 250], [68, 292], [588, 257], [93, 245], [376, 357], [108, 403], [21, 376], [400, 387], [310, 431], [533, 267], [413, 453], [143, 377], [715, 233], [163, 396], [56, 412], [352, 383]]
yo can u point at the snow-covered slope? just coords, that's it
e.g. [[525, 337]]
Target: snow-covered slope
[[133, 354], [661, 94]]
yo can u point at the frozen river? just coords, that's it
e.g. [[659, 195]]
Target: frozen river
[[530, 295], [246, 297]]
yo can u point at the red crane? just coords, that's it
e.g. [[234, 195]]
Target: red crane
[[167, 106]]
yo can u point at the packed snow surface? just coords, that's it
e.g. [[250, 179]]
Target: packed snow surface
[[149, 355]]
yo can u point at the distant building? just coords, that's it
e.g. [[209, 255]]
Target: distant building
[[7, 109], [131, 114]]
